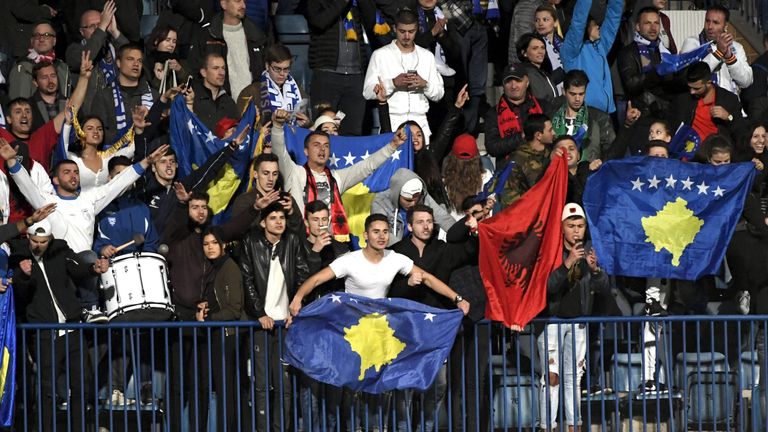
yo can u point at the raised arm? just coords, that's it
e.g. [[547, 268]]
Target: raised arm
[[78, 95], [419, 276], [20, 175], [308, 286], [358, 172]]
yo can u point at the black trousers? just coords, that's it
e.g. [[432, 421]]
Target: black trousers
[[272, 382], [469, 391], [343, 92]]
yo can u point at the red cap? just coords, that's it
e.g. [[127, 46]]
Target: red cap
[[465, 147], [225, 124]]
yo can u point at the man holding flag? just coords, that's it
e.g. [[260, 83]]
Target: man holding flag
[[315, 180]]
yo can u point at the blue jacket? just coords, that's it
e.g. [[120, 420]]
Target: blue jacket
[[591, 57], [118, 223]]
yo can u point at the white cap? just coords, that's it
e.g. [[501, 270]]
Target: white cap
[[40, 229], [571, 210], [411, 188], [322, 120]]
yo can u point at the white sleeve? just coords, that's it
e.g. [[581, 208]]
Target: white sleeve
[[341, 266], [741, 71], [435, 88], [41, 180], [28, 187], [102, 195], [374, 72], [404, 264]]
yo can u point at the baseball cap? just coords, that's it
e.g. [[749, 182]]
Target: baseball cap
[[411, 188], [223, 125], [40, 229], [514, 71], [323, 119], [465, 147], [572, 210]]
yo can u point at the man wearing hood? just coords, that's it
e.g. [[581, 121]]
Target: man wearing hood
[[406, 189]]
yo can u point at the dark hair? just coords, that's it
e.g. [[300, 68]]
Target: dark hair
[[717, 143], [39, 66], [215, 231], [418, 208], [199, 196], [118, 161], [374, 217], [37, 23], [575, 78], [55, 169], [321, 107], [272, 208], [208, 58], [18, 101], [722, 9], [77, 146], [128, 47], [562, 138], [590, 19], [523, 43], [535, 123], [665, 125], [547, 8], [406, 16], [313, 133], [264, 157], [656, 143], [278, 53], [470, 202], [314, 207], [645, 10], [159, 33], [698, 71]]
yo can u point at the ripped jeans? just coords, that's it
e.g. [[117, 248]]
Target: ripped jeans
[[561, 347]]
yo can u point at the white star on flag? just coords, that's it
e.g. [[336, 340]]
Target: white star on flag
[[702, 188], [210, 137], [637, 185], [429, 316], [687, 183], [653, 183], [718, 191], [192, 128], [334, 160], [671, 181], [365, 156], [349, 159], [354, 300], [335, 298], [396, 155]]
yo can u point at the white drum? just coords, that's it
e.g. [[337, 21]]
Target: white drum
[[136, 288]]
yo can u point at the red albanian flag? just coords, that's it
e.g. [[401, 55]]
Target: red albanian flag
[[520, 246]]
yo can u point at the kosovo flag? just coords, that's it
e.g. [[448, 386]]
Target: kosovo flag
[[194, 143], [671, 63], [657, 217], [520, 246], [347, 150], [685, 143], [371, 345], [7, 356]]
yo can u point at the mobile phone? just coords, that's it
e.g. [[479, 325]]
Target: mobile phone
[[189, 81], [412, 71]]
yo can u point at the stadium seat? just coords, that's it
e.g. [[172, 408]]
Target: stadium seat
[[515, 402], [711, 399], [702, 363], [627, 371]]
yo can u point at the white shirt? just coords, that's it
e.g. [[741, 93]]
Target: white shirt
[[238, 60], [276, 300], [730, 77], [369, 279]]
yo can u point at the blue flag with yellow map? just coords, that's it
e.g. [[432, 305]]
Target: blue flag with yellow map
[[371, 345], [657, 217]]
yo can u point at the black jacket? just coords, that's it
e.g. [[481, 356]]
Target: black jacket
[[466, 280], [211, 40], [61, 265], [685, 110], [255, 254], [320, 260], [499, 147], [211, 110], [104, 105], [649, 92]]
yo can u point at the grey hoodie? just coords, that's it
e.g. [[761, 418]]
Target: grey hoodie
[[388, 203]]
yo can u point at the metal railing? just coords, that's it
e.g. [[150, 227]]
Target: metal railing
[[229, 376]]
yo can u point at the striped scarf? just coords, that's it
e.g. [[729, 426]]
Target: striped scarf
[[273, 99], [380, 28], [647, 49], [489, 9], [440, 61]]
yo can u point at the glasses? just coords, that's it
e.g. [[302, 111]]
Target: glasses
[[43, 35], [279, 70]]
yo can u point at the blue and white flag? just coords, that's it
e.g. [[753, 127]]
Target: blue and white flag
[[671, 63]]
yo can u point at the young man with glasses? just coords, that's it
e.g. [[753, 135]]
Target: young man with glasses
[[41, 46]]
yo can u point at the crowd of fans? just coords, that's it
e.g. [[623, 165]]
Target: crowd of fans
[[89, 165]]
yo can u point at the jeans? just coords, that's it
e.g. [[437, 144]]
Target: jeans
[[430, 404], [320, 404], [561, 348], [344, 93]]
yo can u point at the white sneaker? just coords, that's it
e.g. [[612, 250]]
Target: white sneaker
[[117, 399], [743, 298], [94, 316]]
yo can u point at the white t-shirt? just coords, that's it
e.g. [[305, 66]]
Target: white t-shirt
[[369, 279], [276, 301]]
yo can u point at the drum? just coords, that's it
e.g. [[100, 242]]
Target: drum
[[136, 288]]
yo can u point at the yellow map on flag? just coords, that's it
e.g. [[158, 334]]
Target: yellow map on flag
[[374, 341], [673, 228]]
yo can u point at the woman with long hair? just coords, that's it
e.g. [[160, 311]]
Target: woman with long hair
[[544, 81], [462, 173], [163, 59]]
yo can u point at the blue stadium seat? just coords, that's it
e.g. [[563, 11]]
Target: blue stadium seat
[[515, 403], [627, 371], [704, 362], [712, 399], [293, 32], [749, 370]]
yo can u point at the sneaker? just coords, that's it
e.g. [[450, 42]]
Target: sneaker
[[651, 387], [117, 399], [94, 316], [654, 308], [597, 391], [743, 298]]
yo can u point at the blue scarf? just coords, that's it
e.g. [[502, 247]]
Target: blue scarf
[[272, 99], [491, 9], [647, 49]]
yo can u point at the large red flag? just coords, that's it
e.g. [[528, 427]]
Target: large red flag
[[520, 246]]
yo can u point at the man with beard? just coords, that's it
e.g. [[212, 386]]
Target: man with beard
[[75, 215], [46, 101], [212, 101], [708, 108]]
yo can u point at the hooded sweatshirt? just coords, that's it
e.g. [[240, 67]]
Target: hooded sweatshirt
[[388, 203]]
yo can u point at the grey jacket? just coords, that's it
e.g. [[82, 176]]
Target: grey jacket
[[20, 82], [388, 203]]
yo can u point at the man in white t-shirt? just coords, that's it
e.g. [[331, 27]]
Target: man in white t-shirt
[[370, 271]]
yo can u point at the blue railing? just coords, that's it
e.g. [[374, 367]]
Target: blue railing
[[228, 376]]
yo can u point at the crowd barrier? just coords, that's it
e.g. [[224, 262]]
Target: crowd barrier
[[209, 376]]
